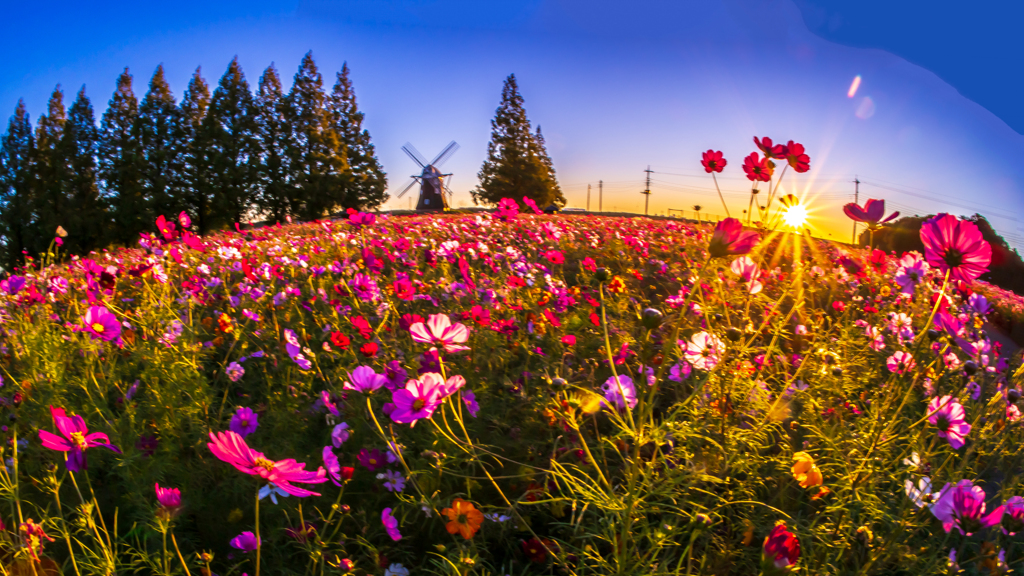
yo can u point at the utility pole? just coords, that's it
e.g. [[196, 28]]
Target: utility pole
[[647, 190], [588, 197], [856, 200], [600, 195]]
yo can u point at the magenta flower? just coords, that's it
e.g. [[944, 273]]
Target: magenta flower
[[947, 415], [439, 330], [231, 448], [418, 399], [13, 284], [507, 209], [871, 213], [360, 219], [169, 498], [963, 507], [469, 399], [1013, 516], [101, 323], [184, 220], [244, 422], [340, 434], [295, 350], [704, 351], [730, 239], [957, 246], [76, 439], [371, 459], [452, 385], [900, 362], [335, 470], [235, 371], [911, 272], [246, 542], [364, 379], [390, 524], [615, 392]]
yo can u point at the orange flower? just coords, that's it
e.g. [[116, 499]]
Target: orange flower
[[463, 518], [225, 324], [616, 286], [805, 471]]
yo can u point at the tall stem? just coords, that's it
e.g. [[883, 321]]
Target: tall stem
[[727, 215], [259, 544]]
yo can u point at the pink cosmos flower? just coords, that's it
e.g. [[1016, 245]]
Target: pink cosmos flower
[[364, 379], [957, 246], [371, 459], [704, 351], [948, 416], [336, 471], [169, 498], [757, 169], [184, 220], [507, 209], [390, 524], [101, 323], [911, 272], [900, 362], [469, 399], [871, 213], [615, 392], [246, 542], [76, 439], [231, 448], [962, 506], [748, 270], [418, 399], [439, 330], [730, 239], [713, 161], [244, 422], [1013, 516]]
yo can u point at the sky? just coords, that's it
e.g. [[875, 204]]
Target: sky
[[616, 88]]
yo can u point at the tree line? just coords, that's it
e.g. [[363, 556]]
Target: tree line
[[229, 156]]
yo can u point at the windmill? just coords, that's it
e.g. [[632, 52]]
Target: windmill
[[435, 192]]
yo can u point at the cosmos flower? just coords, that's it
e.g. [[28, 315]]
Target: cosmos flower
[[704, 351], [962, 506], [168, 497], [615, 391], [957, 246], [439, 330], [757, 169], [946, 414], [418, 399], [463, 518], [870, 214], [781, 546], [76, 439], [339, 434], [231, 448], [394, 481], [371, 459], [390, 524], [246, 542], [769, 150], [798, 160], [234, 371], [805, 471], [912, 271], [1013, 515], [713, 161], [729, 239], [364, 379], [244, 422], [900, 362], [32, 535], [747, 269], [101, 323], [335, 470], [921, 494]]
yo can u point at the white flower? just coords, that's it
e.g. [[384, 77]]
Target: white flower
[[396, 570], [914, 460], [920, 494]]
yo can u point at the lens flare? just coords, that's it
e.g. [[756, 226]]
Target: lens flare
[[853, 87], [795, 216]]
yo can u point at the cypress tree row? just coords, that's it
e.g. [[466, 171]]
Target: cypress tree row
[[226, 158]]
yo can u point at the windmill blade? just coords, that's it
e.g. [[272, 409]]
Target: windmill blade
[[406, 189], [414, 154], [445, 154], [448, 186]]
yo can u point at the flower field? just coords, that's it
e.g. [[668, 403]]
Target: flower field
[[509, 393]]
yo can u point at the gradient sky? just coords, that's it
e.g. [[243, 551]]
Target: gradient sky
[[615, 88]]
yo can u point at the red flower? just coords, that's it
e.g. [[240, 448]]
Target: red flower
[[340, 341], [781, 546], [569, 340], [360, 324], [878, 260], [839, 306], [713, 161], [408, 320], [871, 213], [404, 290], [369, 349], [730, 239], [769, 151], [595, 319], [537, 550], [957, 246], [797, 159], [757, 169]]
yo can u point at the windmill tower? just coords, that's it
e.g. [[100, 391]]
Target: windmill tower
[[435, 192]]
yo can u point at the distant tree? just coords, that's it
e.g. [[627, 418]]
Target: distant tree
[[272, 138], [194, 171], [85, 219], [517, 163], [157, 128], [230, 126], [318, 167], [16, 152], [368, 183], [50, 204], [121, 165]]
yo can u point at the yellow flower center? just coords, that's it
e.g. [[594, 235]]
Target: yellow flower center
[[97, 327], [265, 464], [418, 404], [78, 439]]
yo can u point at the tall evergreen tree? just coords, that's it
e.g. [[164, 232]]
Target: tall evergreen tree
[[230, 127], [50, 205], [157, 128], [517, 163], [86, 218], [368, 183], [194, 186], [317, 158], [273, 137], [16, 153], [121, 164]]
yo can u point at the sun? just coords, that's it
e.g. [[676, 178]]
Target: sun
[[795, 216]]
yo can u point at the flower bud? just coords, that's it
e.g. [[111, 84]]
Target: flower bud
[[602, 275], [651, 318]]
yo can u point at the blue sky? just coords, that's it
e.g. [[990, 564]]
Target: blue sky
[[616, 88]]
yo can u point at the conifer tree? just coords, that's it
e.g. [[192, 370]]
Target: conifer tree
[[157, 127], [86, 219], [121, 163], [50, 170], [317, 159], [231, 131], [273, 136], [366, 190], [517, 163], [16, 153], [193, 184]]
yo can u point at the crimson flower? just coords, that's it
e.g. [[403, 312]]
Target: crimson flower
[[957, 246], [871, 213], [757, 169], [796, 157], [713, 161], [231, 448], [76, 438], [781, 546], [730, 239], [769, 151]]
